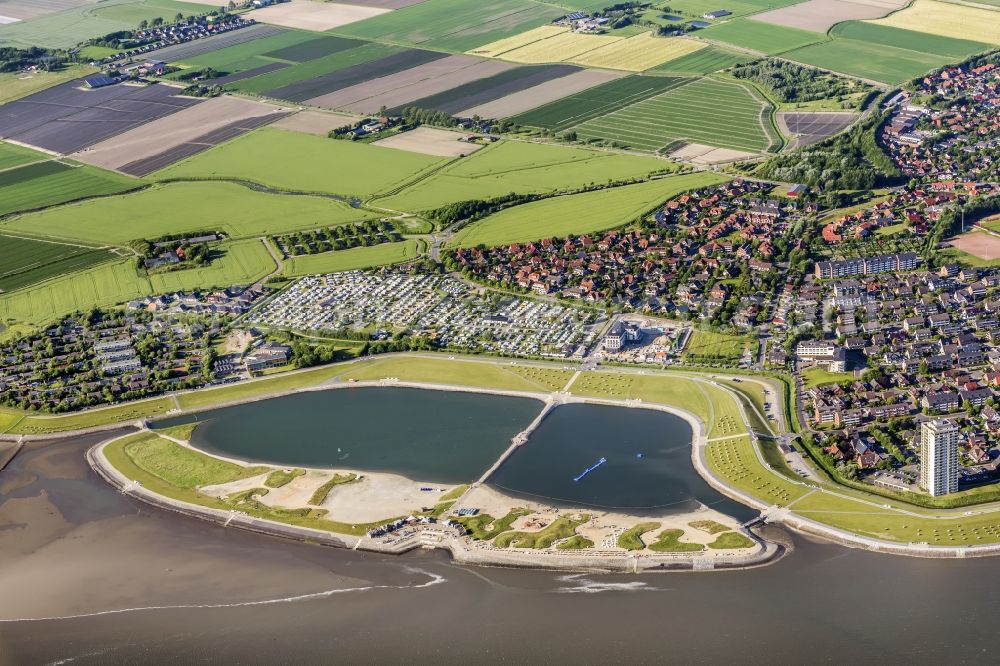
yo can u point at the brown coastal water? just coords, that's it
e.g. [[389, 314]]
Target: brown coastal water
[[71, 546]]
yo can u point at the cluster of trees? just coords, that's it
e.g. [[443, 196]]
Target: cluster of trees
[[200, 74], [852, 160], [359, 234], [793, 83], [477, 208], [15, 60]]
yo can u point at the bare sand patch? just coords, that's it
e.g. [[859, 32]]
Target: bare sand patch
[[533, 97], [319, 16], [415, 83], [165, 133], [315, 122], [979, 244], [702, 154], [821, 15], [430, 141], [379, 496]]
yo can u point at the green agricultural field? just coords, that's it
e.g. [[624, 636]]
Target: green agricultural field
[[866, 60], [16, 85], [704, 61], [14, 156], [242, 262], [308, 163], [598, 101], [922, 42], [577, 213], [454, 25], [44, 184], [24, 261], [524, 168], [68, 28], [715, 113], [183, 207], [311, 69], [255, 53], [763, 37], [696, 8], [353, 259]]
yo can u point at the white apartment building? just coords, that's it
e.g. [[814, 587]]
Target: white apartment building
[[939, 457]]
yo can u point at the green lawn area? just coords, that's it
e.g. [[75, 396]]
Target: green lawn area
[[352, 259], [309, 163], [524, 168], [27, 423], [562, 527], [16, 85], [66, 29], [454, 25], [442, 371], [763, 37], [233, 209], [578, 213], [710, 112], [669, 541], [281, 477], [547, 379], [631, 539], [815, 376], [710, 345], [887, 64], [258, 388], [575, 542], [321, 493], [730, 541], [42, 184], [709, 526], [735, 462], [107, 284], [483, 527]]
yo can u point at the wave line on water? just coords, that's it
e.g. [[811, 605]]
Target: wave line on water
[[435, 579], [590, 586]]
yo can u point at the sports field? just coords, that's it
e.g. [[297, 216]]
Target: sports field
[[454, 25], [242, 262], [307, 163], [353, 259], [179, 208], [922, 42], [68, 28], [42, 184], [762, 37], [578, 213], [866, 60], [524, 168], [948, 20], [636, 53], [705, 61], [24, 261], [710, 112], [606, 98]]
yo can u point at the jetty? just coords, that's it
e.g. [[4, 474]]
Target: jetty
[[521, 437], [590, 469]]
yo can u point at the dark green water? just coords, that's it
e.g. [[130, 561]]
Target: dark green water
[[442, 436], [574, 437]]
